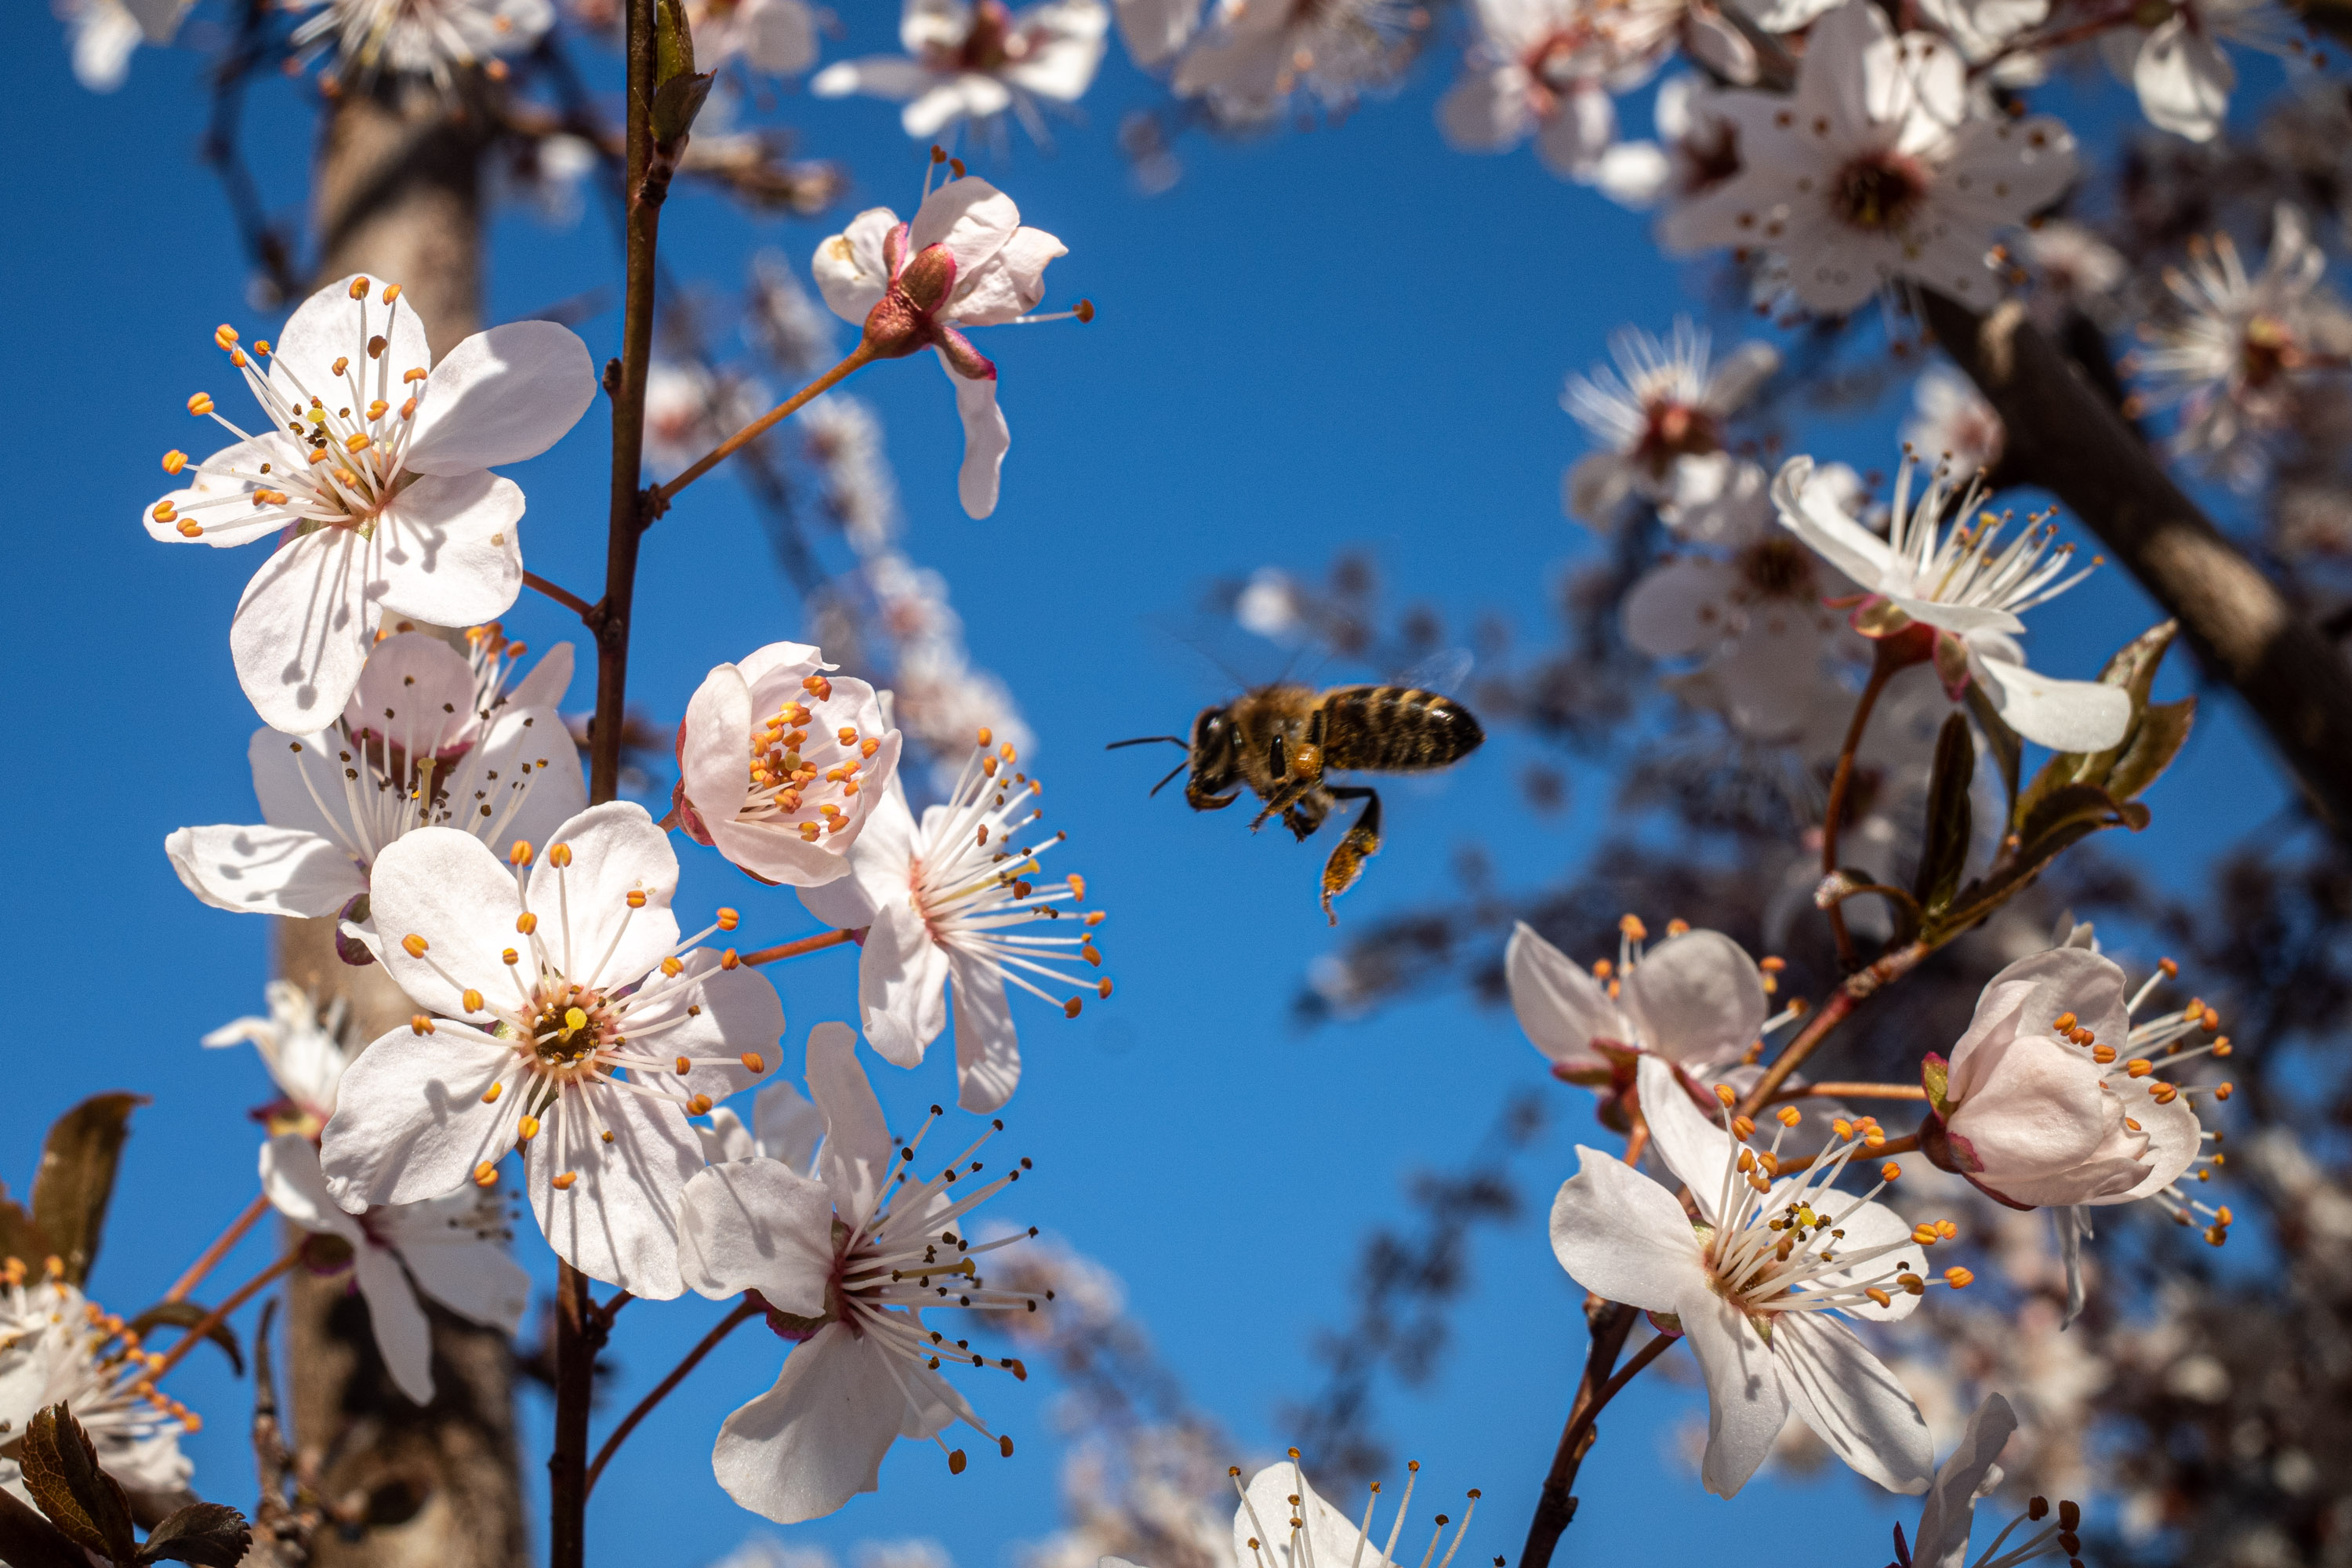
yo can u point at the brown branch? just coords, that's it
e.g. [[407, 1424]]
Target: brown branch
[[743, 1313], [1883, 665], [220, 1314], [2064, 437], [1852, 1091], [1883, 970], [816, 944], [1609, 1322], [218, 1249], [563, 596], [1903, 1145]]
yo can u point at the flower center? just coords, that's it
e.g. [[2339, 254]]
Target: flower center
[[567, 1024], [1878, 190], [2267, 351], [1777, 567], [803, 772], [1671, 430]]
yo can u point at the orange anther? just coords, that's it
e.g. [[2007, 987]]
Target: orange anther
[[413, 945]]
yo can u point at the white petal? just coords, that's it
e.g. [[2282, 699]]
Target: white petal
[[902, 976], [403, 1334], [584, 910], [529, 752], [1680, 609], [1944, 1519], [849, 267], [972, 217], [296, 1188], [617, 1222], [1562, 1009], [1817, 519], [1696, 997], [2063, 715], [988, 1053], [986, 440], [856, 1160], [1622, 1236], [330, 325], [1486, 111], [409, 1120], [816, 1439], [1695, 1148], [446, 551], [473, 1276], [1746, 1404], [446, 888], [501, 396], [785, 1127], [755, 1224], [1852, 1401], [300, 633], [264, 870], [2184, 79]]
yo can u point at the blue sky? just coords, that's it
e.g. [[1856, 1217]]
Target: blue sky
[[1348, 338]]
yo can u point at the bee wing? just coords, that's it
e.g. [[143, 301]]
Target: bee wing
[[1443, 672]]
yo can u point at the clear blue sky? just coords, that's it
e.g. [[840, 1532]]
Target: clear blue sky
[[1348, 338]]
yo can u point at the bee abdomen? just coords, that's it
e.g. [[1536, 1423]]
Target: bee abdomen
[[1396, 729]]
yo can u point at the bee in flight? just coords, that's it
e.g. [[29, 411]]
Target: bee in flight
[[1280, 740]]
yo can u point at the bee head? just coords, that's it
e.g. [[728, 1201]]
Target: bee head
[[1215, 759]]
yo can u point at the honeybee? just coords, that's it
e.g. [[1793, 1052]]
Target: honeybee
[[1279, 739]]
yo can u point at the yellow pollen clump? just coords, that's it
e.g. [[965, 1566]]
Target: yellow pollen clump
[[558, 856], [165, 511], [518, 852], [511, 956], [728, 920], [1743, 1128], [224, 335], [1925, 1234], [2063, 1024], [672, 967], [358, 288], [728, 959], [1889, 1170], [1958, 1277], [1723, 1092], [490, 1095], [191, 528], [1788, 1116], [2138, 1066]]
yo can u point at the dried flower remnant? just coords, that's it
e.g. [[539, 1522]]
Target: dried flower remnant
[[977, 60], [1958, 592], [947, 904], [820, 757], [412, 749], [375, 470], [964, 260], [1752, 1286], [453, 1249], [544, 985], [1877, 168], [56, 1346], [845, 1262]]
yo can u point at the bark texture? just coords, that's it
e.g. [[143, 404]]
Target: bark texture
[[398, 198], [2066, 438]]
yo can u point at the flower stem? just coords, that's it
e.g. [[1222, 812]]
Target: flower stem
[[1903, 1145], [218, 1249], [1882, 667], [1609, 1322], [816, 944], [658, 498], [743, 1313], [579, 1335], [563, 596], [1581, 1424], [220, 1314], [1852, 1091], [1882, 970]]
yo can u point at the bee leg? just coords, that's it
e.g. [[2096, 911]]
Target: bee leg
[[1305, 777], [1359, 844], [1308, 816]]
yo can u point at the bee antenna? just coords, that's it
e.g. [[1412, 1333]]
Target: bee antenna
[[1179, 768], [1147, 740]]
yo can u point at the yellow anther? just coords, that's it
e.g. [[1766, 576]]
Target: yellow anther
[[342, 362], [1946, 1229], [1889, 1170], [728, 920], [698, 1105], [1842, 1127], [2210, 1021], [1877, 1295], [201, 403], [2063, 1024], [518, 852], [486, 1175], [408, 377], [358, 288], [1630, 926], [1743, 1128], [672, 967], [526, 922], [1746, 1161], [1788, 1116], [527, 1129], [1925, 1234], [511, 956], [224, 335], [391, 292], [413, 945], [1723, 1093], [558, 856], [684, 1066], [2163, 1093], [1678, 928], [728, 959], [1070, 1008], [1102, 988], [2223, 1090], [175, 460], [562, 1183], [165, 511], [1958, 1277], [636, 898], [2103, 1055], [753, 1062], [2138, 1066], [490, 1095], [868, 746], [472, 999], [376, 410], [574, 1020], [357, 441], [985, 738], [1077, 887]]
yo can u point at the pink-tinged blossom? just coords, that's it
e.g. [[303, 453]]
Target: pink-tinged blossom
[[1660, 417], [1249, 56], [2046, 1102], [543, 984], [1762, 1315], [782, 765], [847, 1261], [977, 60], [372, 475], [452, 1249], [947, 905], [2172, 55], [1696, 999], [1950, 420], [1962, 589], [964, 260], [1877, 168], [411, 750]]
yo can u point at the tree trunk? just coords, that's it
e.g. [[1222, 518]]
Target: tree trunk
[[398, 195]]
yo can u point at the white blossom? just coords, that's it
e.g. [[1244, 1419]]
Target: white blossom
[[974, 59]]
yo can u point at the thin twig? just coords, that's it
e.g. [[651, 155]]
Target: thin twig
[[1852, 1091], [218, 1249], [1582, 1423], [658, 499], [220, 1314], [743, 1313], [1903, 1145], [816, 944], [1610, 1321], [1881, 667], [563, 596]]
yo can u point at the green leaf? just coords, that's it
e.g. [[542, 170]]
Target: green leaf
[[61, 1472], [2059, 819], [29, 1540], [2149, 749], [75, 1180], [205, 1533], [2133, 667], [676, 103], [2008, 750], [673, 43], [187, 1315], [1944, 843]]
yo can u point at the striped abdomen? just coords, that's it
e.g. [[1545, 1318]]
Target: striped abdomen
[[1395, 729]]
